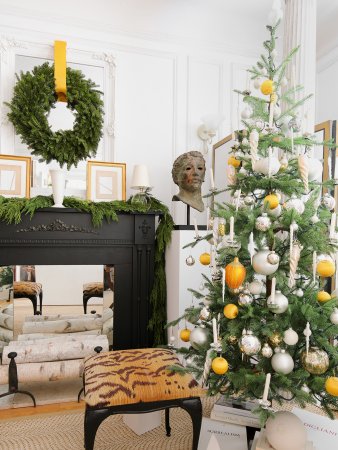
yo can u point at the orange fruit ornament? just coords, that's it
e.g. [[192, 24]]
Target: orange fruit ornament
[[230, 311], [267, 87], [325, 268], [232, 161], [331, 386], [235, 274], [185, 335], [220, 365], [205, 259], [323, 296], [272, 201]]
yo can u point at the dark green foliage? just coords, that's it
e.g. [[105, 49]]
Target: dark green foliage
[[34, 97], [12, 210]]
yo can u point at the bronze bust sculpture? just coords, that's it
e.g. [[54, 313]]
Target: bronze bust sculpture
[[188, 173]]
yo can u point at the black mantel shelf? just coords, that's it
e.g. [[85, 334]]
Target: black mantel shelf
[[67, 236]]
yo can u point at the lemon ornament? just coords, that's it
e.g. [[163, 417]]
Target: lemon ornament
[[220, 365], [323, 296], [185, 335], [205, 259], [230, 311], [267, 87], [331, 386]]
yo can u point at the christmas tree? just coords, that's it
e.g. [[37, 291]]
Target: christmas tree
[[269, 311]]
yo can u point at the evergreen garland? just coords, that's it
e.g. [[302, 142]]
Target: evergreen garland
[[34, 96], [13, 209]]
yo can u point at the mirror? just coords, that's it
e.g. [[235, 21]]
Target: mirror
[[50, 300], [6, 305]]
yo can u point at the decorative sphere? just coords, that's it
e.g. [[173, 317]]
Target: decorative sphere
[[295, 124], [263, 222], [205, 313], [230, 311], [267, 351], [285, 431], [329, 202], [299, 292], [315, 219], [220, 365], [272, 201], [325, 268], [331, 386], [323, 296], [263, 165], [172, 339], [249, 200], [190, 260], [279, 305], [245, 298], [275, 212], [282, 362], [249, 344], [205, 259], [315, 361], [232, 340], [185, 335], [232, 161], [235, 274], [296, 204], [255, 287], [334, 316], [267, 87], [261, 264], [290, 337], [275, 339], [273, 258], [199, 337]]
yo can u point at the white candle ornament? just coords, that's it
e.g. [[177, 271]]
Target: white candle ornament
[[214, 330], [266, 387], [272, 105], [307, 333], [232, 228], [212, 181], [238, 198], [223, 284], [333, 225], [269, 161], [273, 289], [196, 229]]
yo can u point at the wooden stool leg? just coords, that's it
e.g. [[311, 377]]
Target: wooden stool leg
[[92, 421], [167, 422], [41, 301], [33, 299], [85, 301], [194, 407]]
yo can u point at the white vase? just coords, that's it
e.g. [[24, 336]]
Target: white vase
[[58, 186]]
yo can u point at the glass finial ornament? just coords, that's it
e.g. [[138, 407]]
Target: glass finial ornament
[[190, 260]]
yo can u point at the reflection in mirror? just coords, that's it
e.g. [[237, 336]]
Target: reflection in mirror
[[6, 305], [53, 300]]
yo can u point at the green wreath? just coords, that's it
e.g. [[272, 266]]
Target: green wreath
[[34, 96]]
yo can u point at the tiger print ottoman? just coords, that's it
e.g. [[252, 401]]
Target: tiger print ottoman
[[138, 380], [31, 290]]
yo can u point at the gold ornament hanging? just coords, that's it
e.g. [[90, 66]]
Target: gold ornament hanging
[[323, 296], [315, 361], [205, 259], [325, 268], [230, 311], [185, 335], [331, 386], [235, 274], [275, 339], [219, 365], [232, 161], [272, 201], [267, 87]]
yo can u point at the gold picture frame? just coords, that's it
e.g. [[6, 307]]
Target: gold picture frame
[[15, 176], [106, 181]]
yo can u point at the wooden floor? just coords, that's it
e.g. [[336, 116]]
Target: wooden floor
[[43, 409]]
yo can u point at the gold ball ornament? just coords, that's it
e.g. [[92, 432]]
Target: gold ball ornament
[[185, 335], [272, 201], [331, 386], [315, 361], [323, 296], [232, 161], [325, 268], [232, 340], [275, 339], [205, 259], [230, 311], [235, 274], [267, 87], [220, 365]]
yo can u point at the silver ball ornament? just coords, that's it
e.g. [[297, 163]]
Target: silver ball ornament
[[282, 362], [245, 298], [249, 344], [199, 337], [267, 351], [329, 202], [334, 316], [273, 258], [263, 222], [261, 264], [290, 337], [279, 305], [255, 287], [299, 292], [205, 313], [172, 339], [190, 260], [249, 200]]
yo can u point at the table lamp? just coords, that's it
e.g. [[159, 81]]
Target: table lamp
[[140, 181]]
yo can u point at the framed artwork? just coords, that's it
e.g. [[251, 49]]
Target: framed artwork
[[106, 181], [323, 132], [15, 176]]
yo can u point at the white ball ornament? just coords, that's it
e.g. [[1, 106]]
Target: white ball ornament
[[267, 351], [261, 264], [290, 337], [279, 304], [255, 287], [282, 362], [299, 292], [245, 298], [334, 316], [199, 337], [245, 141], [276, 212], [273, 258], [263, 222], [249, 343], [314, 219], [266, 165], [296, 204], [285, 431], [285, 124], [205, 313], [329, 202], [243, 171]]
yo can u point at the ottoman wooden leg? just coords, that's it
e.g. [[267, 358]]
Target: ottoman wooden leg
[[167, 422], [92, 421], [41, 295], [194, 407]]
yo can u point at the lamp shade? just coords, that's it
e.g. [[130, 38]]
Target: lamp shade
[[140, 177]]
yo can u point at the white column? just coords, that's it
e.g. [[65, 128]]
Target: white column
[[300, 29]]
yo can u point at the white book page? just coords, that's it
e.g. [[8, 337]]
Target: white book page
[[217, 435]]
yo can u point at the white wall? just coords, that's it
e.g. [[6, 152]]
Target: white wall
[[327, 87], [175, 62]]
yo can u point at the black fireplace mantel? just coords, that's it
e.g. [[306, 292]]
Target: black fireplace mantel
[[67, 236]]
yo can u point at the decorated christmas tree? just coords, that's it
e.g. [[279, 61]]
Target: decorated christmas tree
[[270, 312]]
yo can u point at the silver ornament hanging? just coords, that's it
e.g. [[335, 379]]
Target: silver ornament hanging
[[216, 275], [282, 362], [205, 313], [199, 337], [279, 304], [334, 316], [273, 258], [263, 222], [267, 351], [190, 260], [249, 199], [245, 298], [261, 264], [329, 202], [255, 287], [290, 337], [249, 343]]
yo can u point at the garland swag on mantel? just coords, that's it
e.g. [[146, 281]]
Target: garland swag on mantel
[[12, 210]]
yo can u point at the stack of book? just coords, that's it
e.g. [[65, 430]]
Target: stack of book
[[235, 411]]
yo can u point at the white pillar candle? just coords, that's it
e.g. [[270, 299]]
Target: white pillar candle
[[314, 265], [273, 289], [292, 143], [269, 161], [223, 284], [212, 181], [214, 330], [333, 225], [208, 218], [271, 114], [232, 228], [196, 228], [266, 387]]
